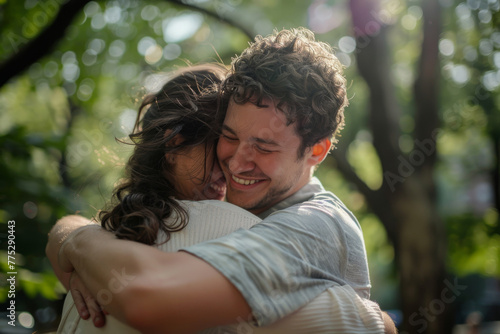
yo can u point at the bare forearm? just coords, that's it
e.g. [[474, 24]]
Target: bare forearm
[[58, 234], [151, 290], [99, 259], [389, 326]]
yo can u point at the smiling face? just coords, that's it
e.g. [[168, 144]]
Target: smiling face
[[258, 155], [198, 178]]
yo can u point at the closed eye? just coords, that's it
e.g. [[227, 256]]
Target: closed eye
[[228, 138], [262, 150]]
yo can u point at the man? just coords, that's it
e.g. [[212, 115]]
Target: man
[[285, 96]]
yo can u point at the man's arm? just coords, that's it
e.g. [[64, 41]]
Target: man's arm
[[59, 233], [389, 326], [151, 290]]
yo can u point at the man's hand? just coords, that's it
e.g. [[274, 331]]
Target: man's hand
[[389, 326], [148, 289], [58, 234], [85, 304], [62, 232]]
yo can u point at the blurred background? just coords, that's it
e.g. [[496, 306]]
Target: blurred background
[[418, 160]]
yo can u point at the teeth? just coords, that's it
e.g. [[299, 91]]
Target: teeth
[[217, 188], [242, 181]]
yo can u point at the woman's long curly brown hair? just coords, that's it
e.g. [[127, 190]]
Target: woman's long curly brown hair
[[186, 105]]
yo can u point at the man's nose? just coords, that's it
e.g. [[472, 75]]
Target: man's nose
[[242, 160]]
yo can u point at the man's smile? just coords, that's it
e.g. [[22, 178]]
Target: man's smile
[[243, 181]]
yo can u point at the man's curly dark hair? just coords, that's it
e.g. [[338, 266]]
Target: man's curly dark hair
[[300, 75]]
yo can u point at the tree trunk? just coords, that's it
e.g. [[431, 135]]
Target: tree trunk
[[421, 259], [406, 203]]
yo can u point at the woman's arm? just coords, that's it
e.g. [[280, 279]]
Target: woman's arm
[[150, 290]]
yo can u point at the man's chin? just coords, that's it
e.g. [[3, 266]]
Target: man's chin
[[251, 205], [243, 203]]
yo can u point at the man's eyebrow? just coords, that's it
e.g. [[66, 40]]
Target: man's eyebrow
[[228, 129], [255, 139], [265, 141]]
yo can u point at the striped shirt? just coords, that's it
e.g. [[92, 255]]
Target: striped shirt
[[306, 244]]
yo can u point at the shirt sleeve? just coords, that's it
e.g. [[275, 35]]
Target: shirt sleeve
[[336, 310], [286, 260]]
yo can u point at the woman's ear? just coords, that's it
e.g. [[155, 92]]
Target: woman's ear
[[170, 158], [320, 150], [175, 141]]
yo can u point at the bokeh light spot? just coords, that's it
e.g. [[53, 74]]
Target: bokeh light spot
[[144, 44], [30, 210], [446, 47], [347, 44], [26, 320], [153, 54], [172, 51], [181, 27]]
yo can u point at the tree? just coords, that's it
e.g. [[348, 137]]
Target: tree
[[405, 203]]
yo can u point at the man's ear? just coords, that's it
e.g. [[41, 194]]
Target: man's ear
[[320, 150]]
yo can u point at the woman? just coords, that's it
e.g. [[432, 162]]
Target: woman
[[172, 168]]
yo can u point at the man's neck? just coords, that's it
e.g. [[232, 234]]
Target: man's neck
[[301, 195], [289, 193]]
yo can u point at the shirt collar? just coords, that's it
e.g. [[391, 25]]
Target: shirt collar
[[303, 194]]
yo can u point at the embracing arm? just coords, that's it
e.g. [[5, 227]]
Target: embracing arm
[[389, 326], [150, 290], [59, 233]]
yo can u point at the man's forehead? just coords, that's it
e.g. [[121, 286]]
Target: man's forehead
[[268, 112], [264, 125]]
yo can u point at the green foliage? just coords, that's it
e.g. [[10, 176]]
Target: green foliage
[[473, 244], [44, 283], [34, 198], [364, 159]]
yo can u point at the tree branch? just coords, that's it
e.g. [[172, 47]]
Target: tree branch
[[348, 172], [375, 198], [45, 42], [373, 64], [426, 85], [223, 19], [42, 44]]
